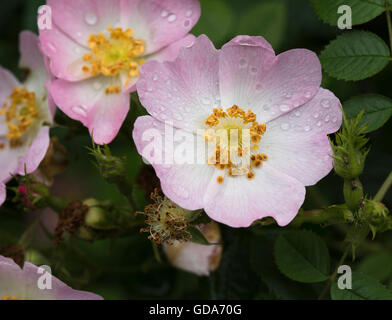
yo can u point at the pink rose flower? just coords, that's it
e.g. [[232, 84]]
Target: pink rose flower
[[26, 111], [23, 284], [96, 48], [244, 85]]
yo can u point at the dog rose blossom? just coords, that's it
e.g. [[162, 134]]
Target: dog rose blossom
[[25, 114], [96, 49], [23, 284], [273, 102]]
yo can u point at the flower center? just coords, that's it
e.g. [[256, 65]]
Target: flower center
[[7, 297], [112, 55], [236, 135], [19, 114]]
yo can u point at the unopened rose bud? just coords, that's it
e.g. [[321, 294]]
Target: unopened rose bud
[[197, 258]]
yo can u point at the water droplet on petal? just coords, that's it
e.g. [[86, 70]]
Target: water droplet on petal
[[80, 111], [253, 70], [242, 62], [334, 119], [97, 85], [155, 77], [307, 128], [297, 113], [187, 23], [172, 18], [91, 18], [327, 118], [164, 13], [285, 126], [52, 47], [188, 13], [318, 123], [308, 94], [316, 115], [325, 103], [284, 107]]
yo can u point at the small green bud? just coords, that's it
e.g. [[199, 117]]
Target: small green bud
[[97, 217], [349, 149]]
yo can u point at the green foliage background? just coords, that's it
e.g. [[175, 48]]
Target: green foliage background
[[126, 268]]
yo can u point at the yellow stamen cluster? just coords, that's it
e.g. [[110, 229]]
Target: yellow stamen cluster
[[10, 298], [220, 119], [109, 56], [19, 115], [166, 221]]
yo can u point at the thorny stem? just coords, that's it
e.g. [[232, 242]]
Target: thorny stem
[[333, 276], [389, 21], [384, 188]]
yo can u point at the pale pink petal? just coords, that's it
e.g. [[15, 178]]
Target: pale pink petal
[[33, 60], [9, 159], [3, 193], [238, 201], [296, 143], [293, 80], [22, 283], [66, 56], [186, 183], [185, 90], [243, 63], [87, 102], [171, 52], [160, 22], [81, 18], [35, 153]]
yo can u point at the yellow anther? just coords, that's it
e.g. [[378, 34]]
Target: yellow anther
[[6, 297], [113, 90], [115, 53], [235, 119], [19, 114], [220, 179]]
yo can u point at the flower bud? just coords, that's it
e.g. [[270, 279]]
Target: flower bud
[[197, 258], [349, 149], [97, 217]]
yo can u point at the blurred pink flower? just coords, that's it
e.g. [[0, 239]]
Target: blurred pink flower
[[26, 110], [97, 46], [242, 86], [23, 284], [197, 258]]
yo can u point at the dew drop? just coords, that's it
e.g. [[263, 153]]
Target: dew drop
[[285, 126], [316, 115], [97, 85], [187, 23], [188, 13], [318, 123], [326, 118], [80, 110], [155, 77], [242, 62], [325, 103], [253, 70], [334, 119], [164, 13], [284, 107], [52, 47], [172, 18], [307, 128], [91, 18], [297, 113], [308, 94]]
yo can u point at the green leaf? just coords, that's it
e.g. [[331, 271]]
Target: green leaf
[[216, 21], [362, 10], [267, 19], [378, 109], [378, 266], [355, 55], [302, 256], [363, 288], [197, 236]]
